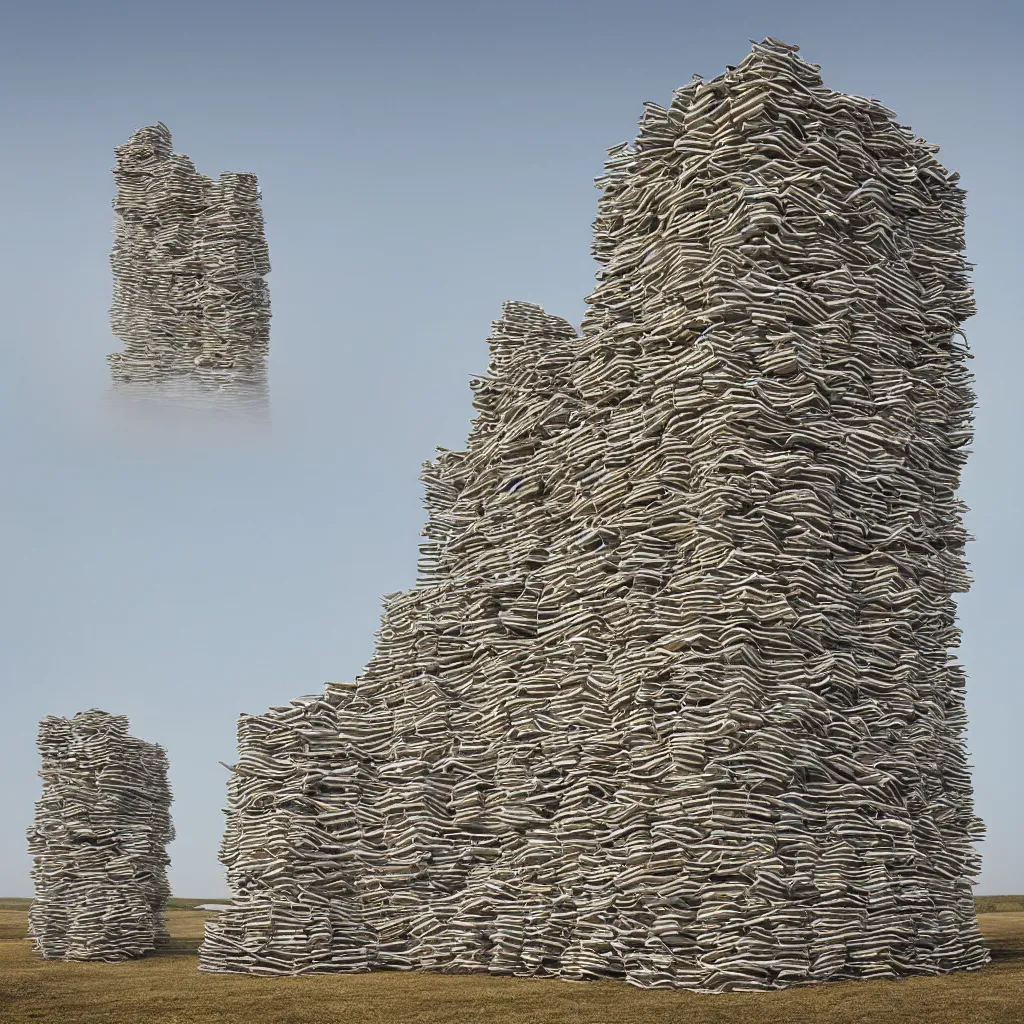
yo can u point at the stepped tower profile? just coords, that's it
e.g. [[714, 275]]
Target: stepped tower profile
[[674, 698]]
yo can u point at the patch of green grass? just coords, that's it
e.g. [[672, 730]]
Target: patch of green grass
[[177, 903], [174, 903], [167, 988], [1000, 905]]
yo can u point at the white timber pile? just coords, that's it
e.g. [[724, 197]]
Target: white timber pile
[[191, 302], [98, 841], [674, 699]]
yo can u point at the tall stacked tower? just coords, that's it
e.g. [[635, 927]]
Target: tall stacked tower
[[673, 700], [99, 841], [190, 257]]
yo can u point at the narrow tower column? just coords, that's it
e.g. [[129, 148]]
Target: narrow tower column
[[190, 259], [99, 841]]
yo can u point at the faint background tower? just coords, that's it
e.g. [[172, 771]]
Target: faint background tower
[[191, 304]]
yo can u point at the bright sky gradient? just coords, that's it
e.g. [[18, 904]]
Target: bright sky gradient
[[420, 163]]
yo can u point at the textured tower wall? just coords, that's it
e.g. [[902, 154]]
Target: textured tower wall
[[189, 261], [673, 700], [99, 840], [335, 801]]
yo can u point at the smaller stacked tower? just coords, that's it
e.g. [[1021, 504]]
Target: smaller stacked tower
[[98, 841], [191, 303]]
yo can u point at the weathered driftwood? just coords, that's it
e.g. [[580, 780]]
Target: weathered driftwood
[[191, 302], [672, 700], [98, 841]]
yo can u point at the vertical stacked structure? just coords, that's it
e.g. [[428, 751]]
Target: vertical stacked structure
[[673, 700], [354, 813], [191, 302], [98, 841]]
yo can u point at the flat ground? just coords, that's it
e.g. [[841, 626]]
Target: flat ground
[[167, 988]]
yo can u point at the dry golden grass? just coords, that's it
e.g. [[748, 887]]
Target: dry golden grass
[[167, 988]]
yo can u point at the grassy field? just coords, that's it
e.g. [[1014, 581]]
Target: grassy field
[[167, 988]]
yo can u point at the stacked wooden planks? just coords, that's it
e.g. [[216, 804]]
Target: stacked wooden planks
[[673, 699], [98, 841]]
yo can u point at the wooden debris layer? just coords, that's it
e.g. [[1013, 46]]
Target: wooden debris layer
[[191, 303], [98, 841], [673, 700]]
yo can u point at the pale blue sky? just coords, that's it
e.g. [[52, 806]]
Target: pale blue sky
[[420, 163]]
